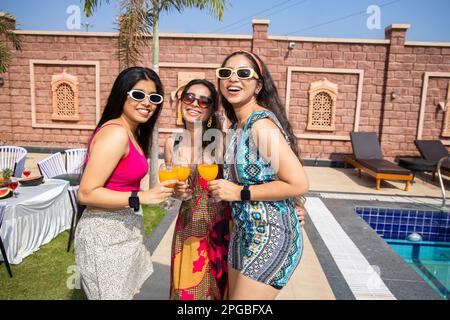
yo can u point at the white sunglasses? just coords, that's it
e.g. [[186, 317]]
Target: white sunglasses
[[242, 73], [139, 95]]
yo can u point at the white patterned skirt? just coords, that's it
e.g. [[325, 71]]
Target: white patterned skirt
[[111, 254]]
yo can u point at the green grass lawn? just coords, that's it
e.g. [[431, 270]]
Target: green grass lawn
[[49, 272]]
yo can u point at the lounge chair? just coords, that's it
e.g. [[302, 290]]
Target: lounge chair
[[367, 157], [417, 165], [433, 151]]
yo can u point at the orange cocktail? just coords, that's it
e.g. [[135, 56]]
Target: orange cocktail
[[168, 174], [208, 172], [183, 172]]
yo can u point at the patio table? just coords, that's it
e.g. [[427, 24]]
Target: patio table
[[33, 218]]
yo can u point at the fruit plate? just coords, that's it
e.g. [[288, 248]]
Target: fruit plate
[[5, 193], [31, 181]]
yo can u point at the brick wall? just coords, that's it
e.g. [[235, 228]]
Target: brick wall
[[389, 64]]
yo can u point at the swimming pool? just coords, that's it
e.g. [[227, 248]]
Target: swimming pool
[[430, 258]]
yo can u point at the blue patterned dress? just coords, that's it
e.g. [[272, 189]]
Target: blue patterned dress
[[266, 242]]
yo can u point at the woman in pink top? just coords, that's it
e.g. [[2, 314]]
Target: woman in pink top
[[110, 252]]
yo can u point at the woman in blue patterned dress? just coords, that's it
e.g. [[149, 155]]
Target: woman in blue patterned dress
[[263, 176]]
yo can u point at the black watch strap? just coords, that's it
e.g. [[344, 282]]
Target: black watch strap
[[133, 200], [245, 193]]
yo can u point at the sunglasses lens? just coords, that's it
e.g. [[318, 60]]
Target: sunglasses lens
[[188, 99], [244, 73], [156, 98], [204, 102], [138, 95], [224, 73]]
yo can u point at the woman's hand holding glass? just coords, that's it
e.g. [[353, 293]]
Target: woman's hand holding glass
[[182, 190], [224, 190], [158, 194]]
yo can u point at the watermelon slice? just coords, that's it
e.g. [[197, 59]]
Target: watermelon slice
[[5, 193], [31, 181], [31, 178]]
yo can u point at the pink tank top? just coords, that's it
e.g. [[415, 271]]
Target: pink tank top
[[129, 171]]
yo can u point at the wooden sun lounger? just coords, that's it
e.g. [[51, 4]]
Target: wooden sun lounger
[[367, 157], [350, 159]]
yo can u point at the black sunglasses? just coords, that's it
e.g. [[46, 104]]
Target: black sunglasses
[[139, 95], [203, 102]]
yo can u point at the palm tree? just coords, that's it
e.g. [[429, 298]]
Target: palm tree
[[7, 27], [139, 19]]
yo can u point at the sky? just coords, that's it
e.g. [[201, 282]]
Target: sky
[[429, 19]]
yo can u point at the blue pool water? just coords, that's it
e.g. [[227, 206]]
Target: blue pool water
[[431, 260], [429, 257]]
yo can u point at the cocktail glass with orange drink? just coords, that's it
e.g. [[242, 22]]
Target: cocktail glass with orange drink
[[208, 170], [183, 171], [167, 172]]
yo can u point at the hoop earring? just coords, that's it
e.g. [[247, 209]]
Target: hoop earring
[[209, 122]]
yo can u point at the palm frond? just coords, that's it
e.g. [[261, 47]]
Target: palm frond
[[216, 7], [90, 6], [7, 27], [133, 31], [139, 16], [5, 58]]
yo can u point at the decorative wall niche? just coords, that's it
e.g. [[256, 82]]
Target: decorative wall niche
[[322, 106], [44, 107], [65, 89]]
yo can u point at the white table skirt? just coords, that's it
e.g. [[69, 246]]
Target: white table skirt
[[34, 218]]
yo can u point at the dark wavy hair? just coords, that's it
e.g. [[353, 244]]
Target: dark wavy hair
[[213, 96], [267, 98], [124, 82], [215, 104]]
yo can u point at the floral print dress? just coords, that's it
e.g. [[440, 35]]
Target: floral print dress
[[199, 268]]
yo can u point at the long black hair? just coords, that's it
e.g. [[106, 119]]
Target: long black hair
[[124, 82], [267, 97], [214, 106]]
